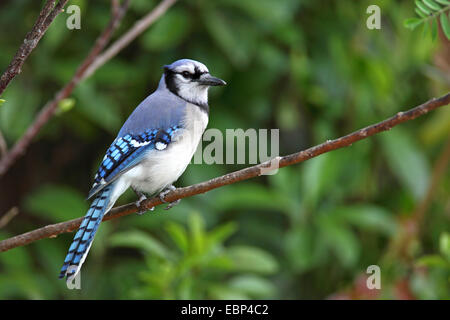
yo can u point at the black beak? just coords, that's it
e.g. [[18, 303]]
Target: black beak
[[209, 80]]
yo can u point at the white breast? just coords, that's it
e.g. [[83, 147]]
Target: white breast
[[162, 167]]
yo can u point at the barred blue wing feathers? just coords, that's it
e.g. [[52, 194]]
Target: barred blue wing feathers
[[126, 151]]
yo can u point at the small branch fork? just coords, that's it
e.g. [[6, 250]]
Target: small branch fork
[[46, 17], [94, 60]]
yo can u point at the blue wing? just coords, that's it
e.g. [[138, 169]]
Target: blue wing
[[127, 151]]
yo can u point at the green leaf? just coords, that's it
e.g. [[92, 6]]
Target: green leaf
[[319, 176], [422, 7], [18, 259], [221, 233], [287, 182], [139, 240], [420, 13], [98, 107], [300, 248], [197, 230], [225, 293], [251, 259], [56, 202], [221, 262], [250, 195], [265, 10], [431, 4], [252, 285], [140, 6], [178, 235], [436, 128], [426, 29], [2, 101], [112, 74], [168, 32], [367, 217], [237, 38], [19, 112], [445, 23], [434, 29], [340, 240], [444, 2], [56, 34], [433, 260], [444, 245], [412, 23], [65, 105], [406, 161]]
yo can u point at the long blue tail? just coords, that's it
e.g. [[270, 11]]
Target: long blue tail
[[85, 235]]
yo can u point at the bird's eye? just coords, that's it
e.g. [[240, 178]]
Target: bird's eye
[[186, 74]]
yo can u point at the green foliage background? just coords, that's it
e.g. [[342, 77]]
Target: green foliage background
[[310, 68]]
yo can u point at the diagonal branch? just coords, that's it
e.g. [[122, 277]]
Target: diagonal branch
[[47, 112], [50, 107], [46, 17], [53, 230], [92, 62]]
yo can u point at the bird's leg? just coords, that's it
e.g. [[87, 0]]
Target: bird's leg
[[164, 193], [142, 197]]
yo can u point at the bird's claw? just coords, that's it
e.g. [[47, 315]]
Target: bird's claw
[[138, 204], [164, 193], [172, 204]]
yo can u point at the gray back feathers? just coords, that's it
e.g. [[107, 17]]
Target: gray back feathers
[[161, 109]]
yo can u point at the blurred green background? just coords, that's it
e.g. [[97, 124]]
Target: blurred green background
[[310, 68]]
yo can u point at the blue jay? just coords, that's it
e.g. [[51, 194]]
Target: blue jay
[[151, 151]]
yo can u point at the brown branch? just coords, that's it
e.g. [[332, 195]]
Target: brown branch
[[8, 216], [3, 145], [50, 107], [230, 178], [45, 18], [91, 63]]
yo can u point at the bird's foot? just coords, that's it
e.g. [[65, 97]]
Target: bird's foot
[[164, 193], [142, 197]]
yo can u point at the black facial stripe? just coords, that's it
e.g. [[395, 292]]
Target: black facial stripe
[[194, 76], [186, 74], [169, 76], [171, 84]]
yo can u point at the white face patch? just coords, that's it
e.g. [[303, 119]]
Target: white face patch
[[190, 67], [185, 67], [192, 91], [187, 88]]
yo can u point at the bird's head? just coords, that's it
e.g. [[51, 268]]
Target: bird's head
[[190, 80]]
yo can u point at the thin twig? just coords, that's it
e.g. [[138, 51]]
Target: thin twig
[[50, 107], [89, 65], [8, 216], [45, 18], [139, 27], [3, 145], [230, 178]]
